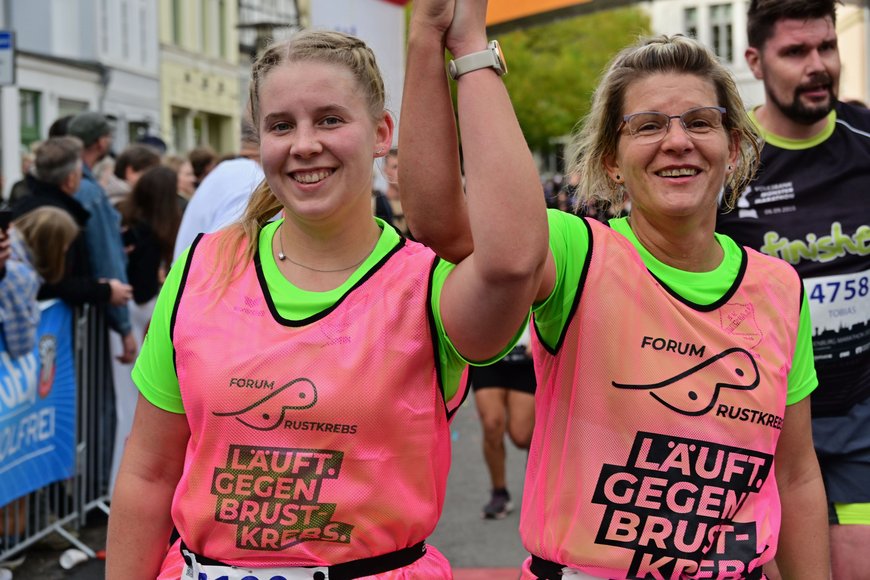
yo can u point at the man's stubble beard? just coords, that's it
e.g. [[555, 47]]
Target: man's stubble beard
[[800, 113]]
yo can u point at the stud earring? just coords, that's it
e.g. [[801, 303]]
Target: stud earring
[[380, 150], [618, 178], [730, 167]]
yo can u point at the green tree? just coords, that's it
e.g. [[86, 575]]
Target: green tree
[[554, 68]]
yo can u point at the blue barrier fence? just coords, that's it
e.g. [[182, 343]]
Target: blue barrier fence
[[56, 419]]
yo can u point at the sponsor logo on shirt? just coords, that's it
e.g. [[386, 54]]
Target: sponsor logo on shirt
[[271, 411], [816, 248], [694, 391]]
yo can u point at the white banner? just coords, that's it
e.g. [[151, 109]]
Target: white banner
[[381, 25]]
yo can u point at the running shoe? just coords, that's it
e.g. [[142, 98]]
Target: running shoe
[[499, 505]]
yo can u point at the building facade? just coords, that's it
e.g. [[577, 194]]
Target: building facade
[[261, 22], [98, 55], [199, 82]]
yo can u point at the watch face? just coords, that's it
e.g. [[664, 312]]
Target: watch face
[[496, 47]]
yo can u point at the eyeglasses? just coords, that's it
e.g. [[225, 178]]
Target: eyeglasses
[[652, 126]]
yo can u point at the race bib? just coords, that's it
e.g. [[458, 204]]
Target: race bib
[[194, 570], [840, 310]]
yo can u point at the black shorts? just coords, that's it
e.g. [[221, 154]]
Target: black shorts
[[843, 448], [516, 374]]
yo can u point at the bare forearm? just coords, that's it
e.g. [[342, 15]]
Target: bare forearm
[[139, 528], [141, 521], [505, 199], [803, 552], [429, 173]]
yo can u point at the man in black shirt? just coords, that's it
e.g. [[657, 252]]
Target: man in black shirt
[[809, 207]]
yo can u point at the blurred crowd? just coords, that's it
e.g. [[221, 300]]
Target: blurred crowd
[[124, 209]]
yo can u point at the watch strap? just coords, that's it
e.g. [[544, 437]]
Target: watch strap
[[488, 58]]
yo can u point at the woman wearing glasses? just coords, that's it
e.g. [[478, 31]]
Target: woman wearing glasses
[[672, 430]]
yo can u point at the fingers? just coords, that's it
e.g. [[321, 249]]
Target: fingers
[[434, 14], [121, 293], [130, 349]]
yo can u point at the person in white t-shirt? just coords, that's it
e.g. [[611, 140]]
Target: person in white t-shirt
[[221, 197]]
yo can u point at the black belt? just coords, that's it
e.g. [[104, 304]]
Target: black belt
[[348, 570], [546, 570]]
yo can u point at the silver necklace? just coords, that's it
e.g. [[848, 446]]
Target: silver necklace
[[282, 257]]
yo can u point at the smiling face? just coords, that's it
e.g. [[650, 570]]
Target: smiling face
[[800, 67], [318, 139], [679, 176]]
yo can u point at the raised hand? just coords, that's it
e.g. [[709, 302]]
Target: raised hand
[[467, 32], [436, 14], [121, 293]]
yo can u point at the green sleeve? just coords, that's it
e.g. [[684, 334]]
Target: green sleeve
[[154, 371], [802, 378], [569, 244], [451, 362]]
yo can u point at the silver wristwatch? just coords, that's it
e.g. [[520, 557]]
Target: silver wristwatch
[[492, 57]]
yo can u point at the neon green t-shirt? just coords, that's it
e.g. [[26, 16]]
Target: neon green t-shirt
[[569, 243], [154, 371]]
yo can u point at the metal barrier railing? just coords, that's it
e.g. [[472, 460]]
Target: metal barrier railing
[[95, 409], [54, 508]]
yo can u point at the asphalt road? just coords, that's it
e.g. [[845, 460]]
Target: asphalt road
[[477, 548]]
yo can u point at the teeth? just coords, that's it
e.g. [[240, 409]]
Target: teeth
[[312, 177], [678, 172]]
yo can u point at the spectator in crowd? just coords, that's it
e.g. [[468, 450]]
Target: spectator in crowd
[[42, 238], [381, 206], [150, 218], [657, 342], [59, 128], [202, 160], [554, 194], [19, 312], [390, 168], [186, 179], [809, 207], [54, 181], [126, 169], [134, 160], [104, 171], [154, 142], [322, 297], [40, 241], [221, 198], [19, 188], [103, 234]]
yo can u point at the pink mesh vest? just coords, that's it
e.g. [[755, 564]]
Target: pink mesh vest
[[313, 442], [657, 421]]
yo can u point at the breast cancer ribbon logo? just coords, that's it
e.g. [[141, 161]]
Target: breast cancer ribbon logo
[[694, 391], [268, 413]]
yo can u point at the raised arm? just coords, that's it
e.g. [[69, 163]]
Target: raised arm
[[429, 174], [488, 295]]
